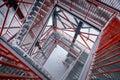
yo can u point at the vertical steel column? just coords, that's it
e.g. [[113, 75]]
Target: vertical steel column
[[54, 17], [77, 32], [74, 39]]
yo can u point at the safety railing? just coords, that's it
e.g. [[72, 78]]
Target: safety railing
[[11, 67], [93, 13], [106, 60]]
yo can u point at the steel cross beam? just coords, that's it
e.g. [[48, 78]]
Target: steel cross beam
[[13, 3], [76, 16]]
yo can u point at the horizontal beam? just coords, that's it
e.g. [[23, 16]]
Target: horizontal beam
[[105, 50], [108, 58], [14, 66], [23, 60], [10, 76], [106, 65], [59, 6], [106, 72], [25, 2], [106, 54], [116, 38], [8, 57]]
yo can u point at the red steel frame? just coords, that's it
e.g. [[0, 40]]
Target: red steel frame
[[104, 56], [71, 26], [5, 53], [86, 16], [46, 36], [14, 17], [42, 21]]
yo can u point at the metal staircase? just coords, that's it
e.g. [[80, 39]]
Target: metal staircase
[[76, 70], [24, 59], [11, 65], [35, 22]]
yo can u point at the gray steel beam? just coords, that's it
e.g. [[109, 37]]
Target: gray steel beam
[[77, 32], [54, 18]]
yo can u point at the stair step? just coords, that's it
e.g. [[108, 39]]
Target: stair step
[[35, 8], [43, 13], [38, 4], [48, 4], [26, 26], [4, 69], [44, 7], [30, 17], [33, 13], [23, 31], [1, 68]]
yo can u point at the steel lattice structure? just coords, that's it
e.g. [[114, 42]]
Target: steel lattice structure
[[89, 30]]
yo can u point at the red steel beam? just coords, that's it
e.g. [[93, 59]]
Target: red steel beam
[[26, 68], [108, 58], [106, 72], [19, 13], [12, 37], [11, 20], [46, 34], [10, 76], [113, 40], [8, 57], [68, 19], [102, 52], [106, 54], [82, 15], [25, 8], [106, 65], [89, 33], [3, 25], [88, 38], [76, 40], [64, 23], [87, 13], [85, 42], [14, 66], [103, 6], [3, 50], [113, 14], [3, 4]]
